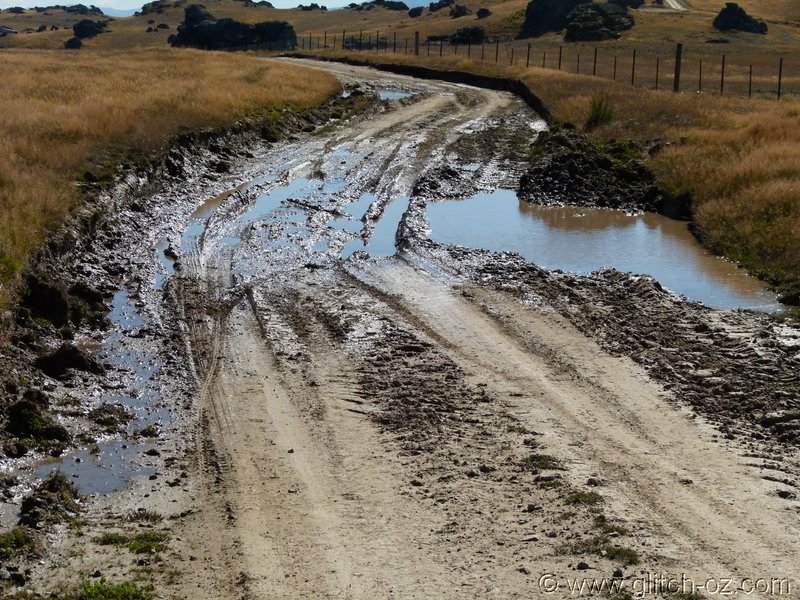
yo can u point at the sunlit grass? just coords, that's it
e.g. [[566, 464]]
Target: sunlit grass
[[64, 113]]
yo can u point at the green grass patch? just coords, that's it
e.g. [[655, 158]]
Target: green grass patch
[[600, 112], [17, 540], [102, 590], [602, 546], [584, 499], [111, 539], [602, 523], [149, 542], [540, 462]]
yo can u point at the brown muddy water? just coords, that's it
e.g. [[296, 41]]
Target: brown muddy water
[[582, 240]]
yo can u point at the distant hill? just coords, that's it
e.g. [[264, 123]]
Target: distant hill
[[118, 12]]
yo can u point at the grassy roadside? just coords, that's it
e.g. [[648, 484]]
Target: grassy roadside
[[738, 159], [63, 114]]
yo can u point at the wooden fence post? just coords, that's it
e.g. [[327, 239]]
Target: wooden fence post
[[780, 77], [594, 64], [416, 43], [633, 68], [560, 50], [528, 58], [676, 82], [722, 77]]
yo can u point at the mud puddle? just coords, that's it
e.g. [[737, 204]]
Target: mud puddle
[[581, 240], [111, 463]]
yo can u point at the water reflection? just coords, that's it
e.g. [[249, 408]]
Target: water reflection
[[582, 240]]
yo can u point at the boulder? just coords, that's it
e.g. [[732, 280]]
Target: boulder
[[87, 28], [734, 18], [459, 10], [201, 30], [483, 13], [627, 3], [597, 22], [542, 16], [440, 4], [415, 12], [469, 35]]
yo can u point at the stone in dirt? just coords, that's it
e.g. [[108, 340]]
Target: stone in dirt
[[734, 18], [52, 502], [57, 363], [597, 22]]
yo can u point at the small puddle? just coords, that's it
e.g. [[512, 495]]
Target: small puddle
[[392, 95], [100, 474], [582, 240], [382, 241]]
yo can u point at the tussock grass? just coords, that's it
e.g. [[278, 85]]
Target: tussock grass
[[63, 113], [737, 158]]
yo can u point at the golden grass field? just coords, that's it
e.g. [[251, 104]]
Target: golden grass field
[[62, 113]]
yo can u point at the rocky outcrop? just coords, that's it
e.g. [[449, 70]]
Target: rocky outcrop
[[483, 13], [415, 12], [201, 30], [459, 10], [469, 35], [734, 18], [543, 16], [87, 28], [570, 169], [597, 22], [6, 30], [440, 4]]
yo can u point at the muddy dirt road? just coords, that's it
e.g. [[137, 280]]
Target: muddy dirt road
[[440, 422], [381, 427]]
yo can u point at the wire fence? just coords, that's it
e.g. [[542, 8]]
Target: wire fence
[[681, 68]]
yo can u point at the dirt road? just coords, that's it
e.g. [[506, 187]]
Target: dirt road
[[382, 427], [348, 409]]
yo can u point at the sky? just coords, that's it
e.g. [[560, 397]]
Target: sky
[[136, 4]]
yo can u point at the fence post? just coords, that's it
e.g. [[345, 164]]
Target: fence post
[[344, 37], [594, 65], [406, 50], [750, 83], [658, 64], [455, 49], [334, 42], [780, 77], [722, 77], [394, 44], [633, 68], [676, 82], [528, 59], [441, 46], [377, 41], [615, 68], [469, 49], [544, 59], [497, 51], [310, 43], [512, 55], [416, 43], [360, 40], [560, 50], [700, 79], [578, 63]]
